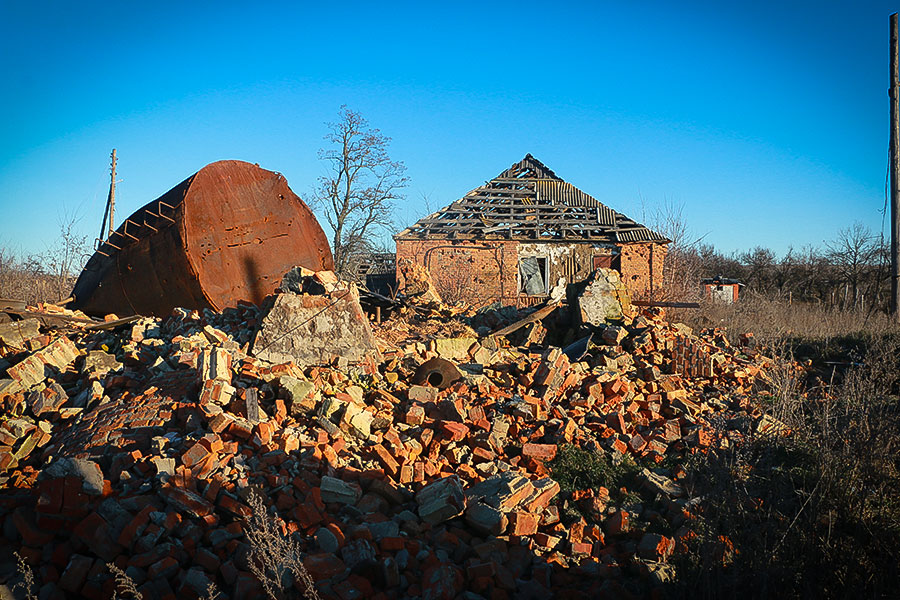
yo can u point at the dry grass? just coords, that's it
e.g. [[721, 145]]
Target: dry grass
[[27, 279], [814, 514], [276, 558], [773, 321]]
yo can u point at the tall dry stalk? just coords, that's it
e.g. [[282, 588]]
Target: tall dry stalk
[[275, 558]]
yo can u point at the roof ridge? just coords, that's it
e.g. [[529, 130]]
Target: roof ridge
[[529, 166], [529, 201]]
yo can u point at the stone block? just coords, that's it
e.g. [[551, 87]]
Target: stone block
[[335, 490], [441, 500], [313, 330]]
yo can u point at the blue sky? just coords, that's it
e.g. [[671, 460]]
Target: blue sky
[[766, 121]]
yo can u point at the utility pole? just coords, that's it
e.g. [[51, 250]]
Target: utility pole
[[895, 172], [112, 194], [110, 210]]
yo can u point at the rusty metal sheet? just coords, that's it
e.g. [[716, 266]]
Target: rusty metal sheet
[[225, 234]]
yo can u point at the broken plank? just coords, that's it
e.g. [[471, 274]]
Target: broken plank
[[666, 304], [535, 316]]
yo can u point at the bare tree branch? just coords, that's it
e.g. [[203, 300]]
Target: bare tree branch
[[358, 196]]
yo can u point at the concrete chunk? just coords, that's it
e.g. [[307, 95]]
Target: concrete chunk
[[441, 500], [456, 348], [660, 484], [504, 491], [302, 396], [48, 400], [56, 356], [311, 330], [99, 363], [601, 298], [86, 470], [335, 490], [17, 332], [487, 520]]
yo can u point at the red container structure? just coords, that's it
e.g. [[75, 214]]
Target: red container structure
[[226, 233]]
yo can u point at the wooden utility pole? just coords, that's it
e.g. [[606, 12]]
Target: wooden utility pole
[[895, 172], [110, 210], [112, 195]]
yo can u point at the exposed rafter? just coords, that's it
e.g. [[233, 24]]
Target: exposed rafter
[[528, 202]]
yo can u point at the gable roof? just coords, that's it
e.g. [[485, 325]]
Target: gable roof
[[529, 202]]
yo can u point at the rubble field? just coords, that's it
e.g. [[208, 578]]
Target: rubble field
[[424, 465]]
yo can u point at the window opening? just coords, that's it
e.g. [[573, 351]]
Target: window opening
[[533, 276]]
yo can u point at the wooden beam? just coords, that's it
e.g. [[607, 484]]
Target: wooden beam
[[666, 304], [535, 316]]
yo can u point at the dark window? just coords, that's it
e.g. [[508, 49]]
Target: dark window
[[533, 276]]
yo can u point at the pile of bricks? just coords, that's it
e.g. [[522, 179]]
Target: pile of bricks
[[145, 447]]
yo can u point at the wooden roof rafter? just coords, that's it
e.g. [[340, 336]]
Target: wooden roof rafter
[[529, 202]]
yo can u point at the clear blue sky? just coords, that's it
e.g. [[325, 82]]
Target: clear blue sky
[[767, 120]]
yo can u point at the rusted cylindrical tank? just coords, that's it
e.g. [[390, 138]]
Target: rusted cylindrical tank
[[226, 233]]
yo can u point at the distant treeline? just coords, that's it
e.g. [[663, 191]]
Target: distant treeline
[[851, 271]]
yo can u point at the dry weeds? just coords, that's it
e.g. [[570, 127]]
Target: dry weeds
[[275, 557], [27, 575], [813, 514], [124, 583], [777, 321]]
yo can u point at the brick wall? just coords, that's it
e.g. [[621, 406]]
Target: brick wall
[[475, 272], [482, 272], [642, 269]]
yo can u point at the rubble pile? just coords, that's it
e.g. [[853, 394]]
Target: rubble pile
[[148, 445]]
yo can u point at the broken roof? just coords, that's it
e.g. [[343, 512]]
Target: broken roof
[[529, 202]]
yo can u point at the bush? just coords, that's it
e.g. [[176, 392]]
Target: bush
[[578, 469]]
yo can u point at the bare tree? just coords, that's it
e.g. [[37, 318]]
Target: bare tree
[[853, 253], [65, 259], [357, 196], [759, 264], [682, 266]]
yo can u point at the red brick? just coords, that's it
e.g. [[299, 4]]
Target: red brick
[[637, 443], [323, 566], [197, 453], [387, 459], [525, 523], [654, 546], [485, 569], [75, 574], [208, 560], [188, 502], [415, 415], [539, 451], [454, 431], [135, 526], [50, 499], [582, 548], [392, 544], [617, 523], [617, 422], [219, 423], [163, 569]]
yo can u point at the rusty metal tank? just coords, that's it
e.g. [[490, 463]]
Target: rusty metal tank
[[226, 233]]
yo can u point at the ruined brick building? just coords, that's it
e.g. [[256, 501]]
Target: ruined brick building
[[513, 238]]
